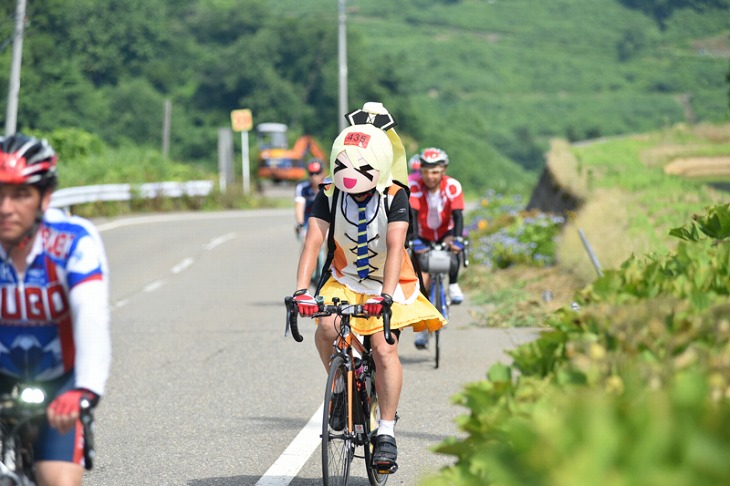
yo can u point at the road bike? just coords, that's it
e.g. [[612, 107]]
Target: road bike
[[351, 414], [439, 263], [21, 413]]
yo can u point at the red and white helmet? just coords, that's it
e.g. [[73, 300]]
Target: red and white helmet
[[315, 166], [433, 157], [414, 163], [27, 160]]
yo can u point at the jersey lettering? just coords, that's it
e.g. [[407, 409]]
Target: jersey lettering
[[56, 243], [36, 304]]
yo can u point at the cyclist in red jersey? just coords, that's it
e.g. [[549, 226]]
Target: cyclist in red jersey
[[439, 201]]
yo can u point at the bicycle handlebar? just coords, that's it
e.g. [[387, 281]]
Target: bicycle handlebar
[[87, 423], [291, 319], [340, 308], [466, 253]]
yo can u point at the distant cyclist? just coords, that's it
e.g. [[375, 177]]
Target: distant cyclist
[[54, 319], [414, 167], [439, 201], [305, 192]]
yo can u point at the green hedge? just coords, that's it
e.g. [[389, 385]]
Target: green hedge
[[631, 388]]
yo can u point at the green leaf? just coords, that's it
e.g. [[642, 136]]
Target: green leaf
[[716, 224], [500, 373], [684, 233]]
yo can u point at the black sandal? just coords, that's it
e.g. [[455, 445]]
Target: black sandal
[[385, 455]]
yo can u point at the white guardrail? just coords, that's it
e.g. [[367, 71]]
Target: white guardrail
[[71, 196]]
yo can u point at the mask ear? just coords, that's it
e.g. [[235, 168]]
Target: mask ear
[[360, 117]]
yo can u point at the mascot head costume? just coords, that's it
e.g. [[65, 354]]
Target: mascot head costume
[[369, 155]]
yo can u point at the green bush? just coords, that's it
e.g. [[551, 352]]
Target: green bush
[[631, 388]]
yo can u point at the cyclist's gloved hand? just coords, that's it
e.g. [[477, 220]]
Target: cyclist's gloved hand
[[306, 305], [64, 410], [374, 306], [418, 245], [457, 244]]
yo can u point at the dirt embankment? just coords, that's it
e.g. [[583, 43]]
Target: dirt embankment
[[699, 167], [559, 190]]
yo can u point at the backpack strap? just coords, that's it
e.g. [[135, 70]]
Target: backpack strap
[[411, 225]]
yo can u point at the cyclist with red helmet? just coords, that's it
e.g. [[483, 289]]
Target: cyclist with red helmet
[[305, 192], [414, 165], [54, 318], [439, 201]]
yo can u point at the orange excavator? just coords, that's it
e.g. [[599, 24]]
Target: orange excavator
[[278, 162]]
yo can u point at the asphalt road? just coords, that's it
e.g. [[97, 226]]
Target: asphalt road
[[206, 391]]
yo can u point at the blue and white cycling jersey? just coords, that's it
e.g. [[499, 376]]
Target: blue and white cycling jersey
[[305, 192], [54, 318]]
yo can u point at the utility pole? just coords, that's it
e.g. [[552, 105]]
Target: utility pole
[[166, 129], [342, 55], [11, 117]]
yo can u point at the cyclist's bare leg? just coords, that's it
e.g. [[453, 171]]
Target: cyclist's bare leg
[[58, 473], [324, 336], [390, 375], [426, 280]]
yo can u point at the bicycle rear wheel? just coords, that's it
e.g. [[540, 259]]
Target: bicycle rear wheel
[[372, 420], [337, 441], [439, 301]]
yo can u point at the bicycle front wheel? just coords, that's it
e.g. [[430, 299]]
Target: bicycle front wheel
[[337, 441], [372, 421], [439, 301]]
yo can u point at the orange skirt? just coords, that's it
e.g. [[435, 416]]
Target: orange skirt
[[420, 314]]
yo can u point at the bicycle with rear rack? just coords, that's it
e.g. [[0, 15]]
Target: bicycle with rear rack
[[439, 263], [21, 413], [351, 415]]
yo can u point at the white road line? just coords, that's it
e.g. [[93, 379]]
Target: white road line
[[151, 287], [165, 218], [182, 265], [286, 467], [121, 303], [219, 241]]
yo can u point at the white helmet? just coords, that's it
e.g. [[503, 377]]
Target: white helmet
[[433, 157]]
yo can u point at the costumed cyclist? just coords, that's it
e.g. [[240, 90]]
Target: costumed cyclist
[[54, 320], [370, 214], [439, 201], [305, 192]]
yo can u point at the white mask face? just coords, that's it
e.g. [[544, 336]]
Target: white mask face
[[354, 177]]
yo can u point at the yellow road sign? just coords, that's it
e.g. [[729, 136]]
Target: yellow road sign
[[241, 120]]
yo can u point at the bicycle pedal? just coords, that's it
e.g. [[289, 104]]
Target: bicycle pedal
[[385, 469]]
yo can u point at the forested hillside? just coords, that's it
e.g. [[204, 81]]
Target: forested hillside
[[490, 81]]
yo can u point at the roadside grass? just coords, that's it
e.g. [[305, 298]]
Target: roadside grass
[[518, 296], [631, 204]]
